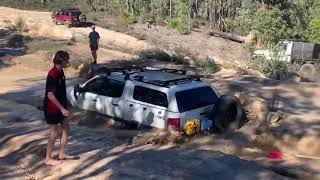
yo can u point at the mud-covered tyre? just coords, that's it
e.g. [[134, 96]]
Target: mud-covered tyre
[[308, 72], [229, 115]]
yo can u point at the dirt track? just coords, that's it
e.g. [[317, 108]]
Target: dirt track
[[41, 25], [105, 154]]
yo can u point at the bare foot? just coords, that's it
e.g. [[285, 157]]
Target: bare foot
[[52, 162]]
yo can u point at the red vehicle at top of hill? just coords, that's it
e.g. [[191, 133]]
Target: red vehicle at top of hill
[[69, 17]]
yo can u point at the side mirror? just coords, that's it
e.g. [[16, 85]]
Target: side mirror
[[76, 91]]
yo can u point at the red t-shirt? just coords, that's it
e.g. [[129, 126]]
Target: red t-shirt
[[55, 83]]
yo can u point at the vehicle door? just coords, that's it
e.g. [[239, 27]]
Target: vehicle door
[[59, 17], [88, 98], [149, 106], [64, 16], [108, 99]]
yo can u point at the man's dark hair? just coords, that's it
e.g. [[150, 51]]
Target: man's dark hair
[[60, 56]]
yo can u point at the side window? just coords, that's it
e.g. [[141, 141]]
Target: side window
[[105, 87], [116, 88], [150, 96], [95, 85]]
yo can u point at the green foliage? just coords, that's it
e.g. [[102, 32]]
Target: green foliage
[[126, 17], [207, 66], [183, 17], [174, 23], [314, 26], [314, 30], [271, 68], [270, 25], [244, 19]]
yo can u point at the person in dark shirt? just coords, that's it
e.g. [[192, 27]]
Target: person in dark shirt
[[94, 43], [55, 106]]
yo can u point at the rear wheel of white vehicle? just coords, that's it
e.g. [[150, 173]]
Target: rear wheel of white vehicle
[[229, 115]]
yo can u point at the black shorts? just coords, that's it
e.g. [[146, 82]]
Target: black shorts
[[54, 118], [94, 47]]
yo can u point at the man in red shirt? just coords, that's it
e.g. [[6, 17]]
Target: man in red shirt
[[55, 106]]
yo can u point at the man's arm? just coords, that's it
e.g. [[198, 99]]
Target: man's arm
[[89, 37], [53, 99]]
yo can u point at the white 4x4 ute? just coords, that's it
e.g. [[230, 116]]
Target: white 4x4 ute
[[160, 98]]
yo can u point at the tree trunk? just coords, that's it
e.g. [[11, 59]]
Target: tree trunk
[[132, 8], [128, 5], [170, 9], [197, 6], [43, 3], [230, 36]]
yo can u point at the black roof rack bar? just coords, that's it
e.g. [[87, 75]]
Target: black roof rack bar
[[125, 70], [168, 70], [176, 81], [169, 82]]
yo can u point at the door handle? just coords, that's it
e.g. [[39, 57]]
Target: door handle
[[115, 104], [95, 100]]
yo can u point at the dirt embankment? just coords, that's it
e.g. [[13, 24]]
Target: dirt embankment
[[198, 44]]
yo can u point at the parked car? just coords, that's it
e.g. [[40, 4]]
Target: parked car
[[69, 17], [305, 56]]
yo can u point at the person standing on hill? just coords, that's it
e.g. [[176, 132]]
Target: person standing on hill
[[94, 43]]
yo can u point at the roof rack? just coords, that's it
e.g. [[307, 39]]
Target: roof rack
[[129, 70], [168, 70], [135, 69], [168, 83]]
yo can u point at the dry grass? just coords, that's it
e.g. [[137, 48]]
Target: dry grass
[[207, 66], [157, 54], [48, 47]]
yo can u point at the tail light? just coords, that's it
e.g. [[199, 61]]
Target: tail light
[[173, 124]]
